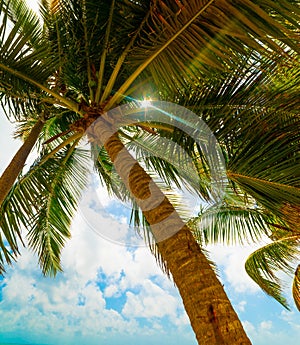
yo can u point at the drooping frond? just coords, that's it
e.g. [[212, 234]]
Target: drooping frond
[[296, 287], [43, 201], [263, 264], [265, 163], [107, 174], [177, 143], [231, 224], [51, 226]]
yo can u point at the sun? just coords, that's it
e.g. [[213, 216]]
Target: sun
[[145, 103]]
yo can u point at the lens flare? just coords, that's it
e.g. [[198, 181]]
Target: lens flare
[[145, 103]]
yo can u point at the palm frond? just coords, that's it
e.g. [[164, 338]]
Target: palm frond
[[170, 161], [51, 225], [74, 27], [265, 161], [264, 262], [184, 145], [231, 224], [23, 49], [107, 174], [181, 41], [43, 201], [296, 287], [20, 30]]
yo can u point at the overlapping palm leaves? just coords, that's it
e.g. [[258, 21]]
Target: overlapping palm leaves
[[44, 199], [176, 40], [262, 151], [97, 53]]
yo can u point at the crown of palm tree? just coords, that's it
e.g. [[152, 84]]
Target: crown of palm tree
[[81, 58]]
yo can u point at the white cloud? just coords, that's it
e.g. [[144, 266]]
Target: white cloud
[[241, 306], [292, 318], [248, 326], [266, 325], [111, 290], [232, 259], [103, 196], [266, 333], [73, 303], [152, 301], [110, 227]]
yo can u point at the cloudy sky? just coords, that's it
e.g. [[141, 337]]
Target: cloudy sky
[[113, 294]]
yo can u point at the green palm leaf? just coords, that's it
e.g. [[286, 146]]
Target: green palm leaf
[[170, 161], [107, 174], [50, 227], [231, 224], [44, 201], [191, 37], [296, 288], [22, 46], [264, 164], [264, 262]]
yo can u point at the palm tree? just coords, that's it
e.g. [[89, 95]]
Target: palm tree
[[13, 170], [263, 200], [89, 56]]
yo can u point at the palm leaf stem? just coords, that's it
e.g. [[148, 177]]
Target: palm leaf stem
[[104, 53], [119, 64], [59, 46], [67, 141], [66, 102], [122, 90], [236, 176], [88, 62]]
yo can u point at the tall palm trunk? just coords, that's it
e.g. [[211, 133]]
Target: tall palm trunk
[[16, 165], [212, 317]]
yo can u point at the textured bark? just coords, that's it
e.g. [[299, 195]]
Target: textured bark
[[212, 317], [16, 165]]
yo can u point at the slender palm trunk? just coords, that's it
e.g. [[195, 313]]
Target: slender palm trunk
[[16, 165], [212, 317]]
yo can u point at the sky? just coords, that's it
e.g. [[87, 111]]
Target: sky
[[112, 291]]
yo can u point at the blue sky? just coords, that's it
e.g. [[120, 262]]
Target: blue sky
[[115, 294], [112, 294]]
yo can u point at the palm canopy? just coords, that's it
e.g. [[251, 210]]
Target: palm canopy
[[89, 56], [262, 202], [119, 44]]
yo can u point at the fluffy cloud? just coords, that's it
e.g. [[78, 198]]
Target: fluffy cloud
[[266, 325], [152, 301], [74, 304], [265, 333], [231, 260], [241, 306]]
